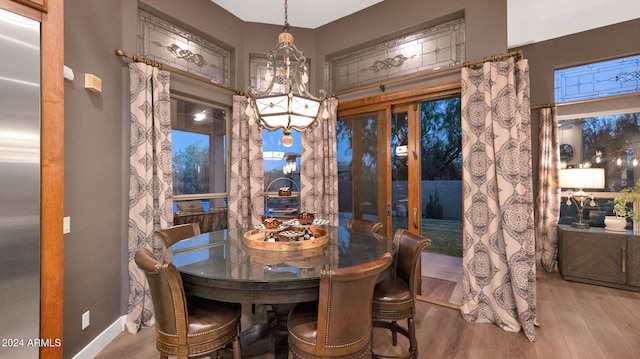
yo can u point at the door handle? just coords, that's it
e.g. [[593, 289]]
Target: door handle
[[415, 218], [624, 260]]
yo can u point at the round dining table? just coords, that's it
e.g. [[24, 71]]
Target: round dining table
[[221, 266]]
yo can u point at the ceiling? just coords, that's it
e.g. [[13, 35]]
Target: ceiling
[[309, 14], [528, 21], [540, 20]]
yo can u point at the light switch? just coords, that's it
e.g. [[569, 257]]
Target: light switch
[[68, 73], [66, 225]]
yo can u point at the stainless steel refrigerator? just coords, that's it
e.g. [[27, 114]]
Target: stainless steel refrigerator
[[19, 186]]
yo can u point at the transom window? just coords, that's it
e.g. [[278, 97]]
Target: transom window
[[598, 80]]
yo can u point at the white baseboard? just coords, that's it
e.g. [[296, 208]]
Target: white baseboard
[[101, 341]]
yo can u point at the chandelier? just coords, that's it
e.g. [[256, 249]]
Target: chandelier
[[286, 102]]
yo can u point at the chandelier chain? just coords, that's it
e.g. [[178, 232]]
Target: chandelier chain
[[286, 16]]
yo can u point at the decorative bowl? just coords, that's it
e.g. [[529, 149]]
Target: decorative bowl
[[271, 223], [305, 218]]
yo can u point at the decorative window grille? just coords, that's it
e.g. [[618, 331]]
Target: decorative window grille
[[160, 40], [597, 80], [429, 49]]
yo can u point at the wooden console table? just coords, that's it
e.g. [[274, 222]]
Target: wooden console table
[[597, 256]]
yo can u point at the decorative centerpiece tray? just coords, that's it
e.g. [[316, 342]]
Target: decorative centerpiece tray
[[298, 258], [289, 239]]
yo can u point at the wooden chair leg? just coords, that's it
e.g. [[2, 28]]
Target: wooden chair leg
[[236, 347], [394, 332], [413, 344]]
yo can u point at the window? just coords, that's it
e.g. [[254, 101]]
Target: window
[[611, 142], [599, 133], [281, 169], [199, 148]]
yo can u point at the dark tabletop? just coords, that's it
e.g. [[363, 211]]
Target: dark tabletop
[[219, 265]]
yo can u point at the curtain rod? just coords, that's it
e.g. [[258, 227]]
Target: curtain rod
[[518, 55], [161, 66]]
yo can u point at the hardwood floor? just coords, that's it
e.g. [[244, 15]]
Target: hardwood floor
[[576, 321]]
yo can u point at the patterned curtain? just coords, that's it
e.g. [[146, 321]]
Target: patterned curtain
[[499, 269], [150, 180], [246, 187], [319, 168], [548, 201]]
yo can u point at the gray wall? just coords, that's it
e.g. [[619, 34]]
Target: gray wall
[[97, 125], [95, 146], [97, 150]]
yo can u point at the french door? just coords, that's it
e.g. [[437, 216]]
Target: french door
[[426, 172], [363, 167], [400, 163], [426, 190], [402, 166]]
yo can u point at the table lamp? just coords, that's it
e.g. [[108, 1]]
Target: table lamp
[[578, 179]]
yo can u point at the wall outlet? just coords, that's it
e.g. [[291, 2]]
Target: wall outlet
[[85, 320]]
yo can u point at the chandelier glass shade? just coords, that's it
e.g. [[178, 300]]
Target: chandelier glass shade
[[286, 102]]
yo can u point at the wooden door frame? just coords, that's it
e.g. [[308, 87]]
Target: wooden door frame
[[52, 178], [414, 212], [50, 14]]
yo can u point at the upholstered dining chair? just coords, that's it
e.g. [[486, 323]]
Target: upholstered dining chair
[[394, 300], [362, 225], [175, 234], [339, 324], [186, 328]]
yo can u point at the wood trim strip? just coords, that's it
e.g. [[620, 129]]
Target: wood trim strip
[[382, 101], [52, 178], [590, 100], [39, 5], [438, 302], [20, 9]]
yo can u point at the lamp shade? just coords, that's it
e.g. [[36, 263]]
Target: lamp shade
[[581, 178], [287, 111]]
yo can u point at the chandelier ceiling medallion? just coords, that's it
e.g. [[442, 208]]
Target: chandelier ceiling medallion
[[286, 102]]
